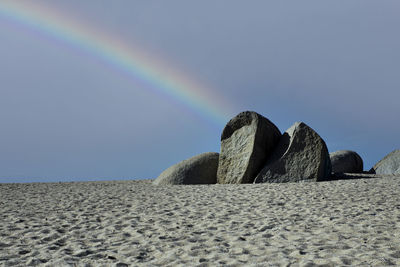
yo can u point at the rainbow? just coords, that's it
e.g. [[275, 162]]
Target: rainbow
[[136, 63]]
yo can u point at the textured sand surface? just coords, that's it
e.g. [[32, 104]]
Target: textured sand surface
[[133, 223]]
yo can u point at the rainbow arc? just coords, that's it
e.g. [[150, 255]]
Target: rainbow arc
[[125, 57]]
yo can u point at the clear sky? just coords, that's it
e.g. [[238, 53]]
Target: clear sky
[[70, 113]]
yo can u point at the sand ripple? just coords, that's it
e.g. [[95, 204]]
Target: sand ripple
[[130, 223]]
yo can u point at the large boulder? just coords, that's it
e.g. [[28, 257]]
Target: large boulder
[[346, 161], [246, 142], [200, 169], [301, 155], [389, 164]]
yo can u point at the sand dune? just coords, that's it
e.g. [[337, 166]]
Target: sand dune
[[133, 223]]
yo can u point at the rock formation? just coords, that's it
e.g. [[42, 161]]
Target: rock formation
[[200, 169], [346, 161], [301, 155], [389, 164], [246, 142], [253, 150]]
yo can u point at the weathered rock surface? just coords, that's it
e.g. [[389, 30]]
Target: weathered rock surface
[[301, 155], [346, 161], [200, 169], [389, 164], [246, 142]]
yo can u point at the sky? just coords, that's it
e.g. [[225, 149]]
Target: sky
[[101, 90]]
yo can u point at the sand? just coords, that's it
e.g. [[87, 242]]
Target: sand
[[133, 223]]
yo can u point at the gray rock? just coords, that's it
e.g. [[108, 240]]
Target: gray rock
[[346, 161], [389, 164], [301, 155], [200, 169], [246, 142]]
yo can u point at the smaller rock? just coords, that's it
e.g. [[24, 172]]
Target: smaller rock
[[300, 156], [200, 169], [346, 161], [389, 164]]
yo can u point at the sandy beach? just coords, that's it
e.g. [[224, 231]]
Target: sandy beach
[[134, 223]]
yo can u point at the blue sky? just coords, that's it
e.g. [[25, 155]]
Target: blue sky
[[333, 64]]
